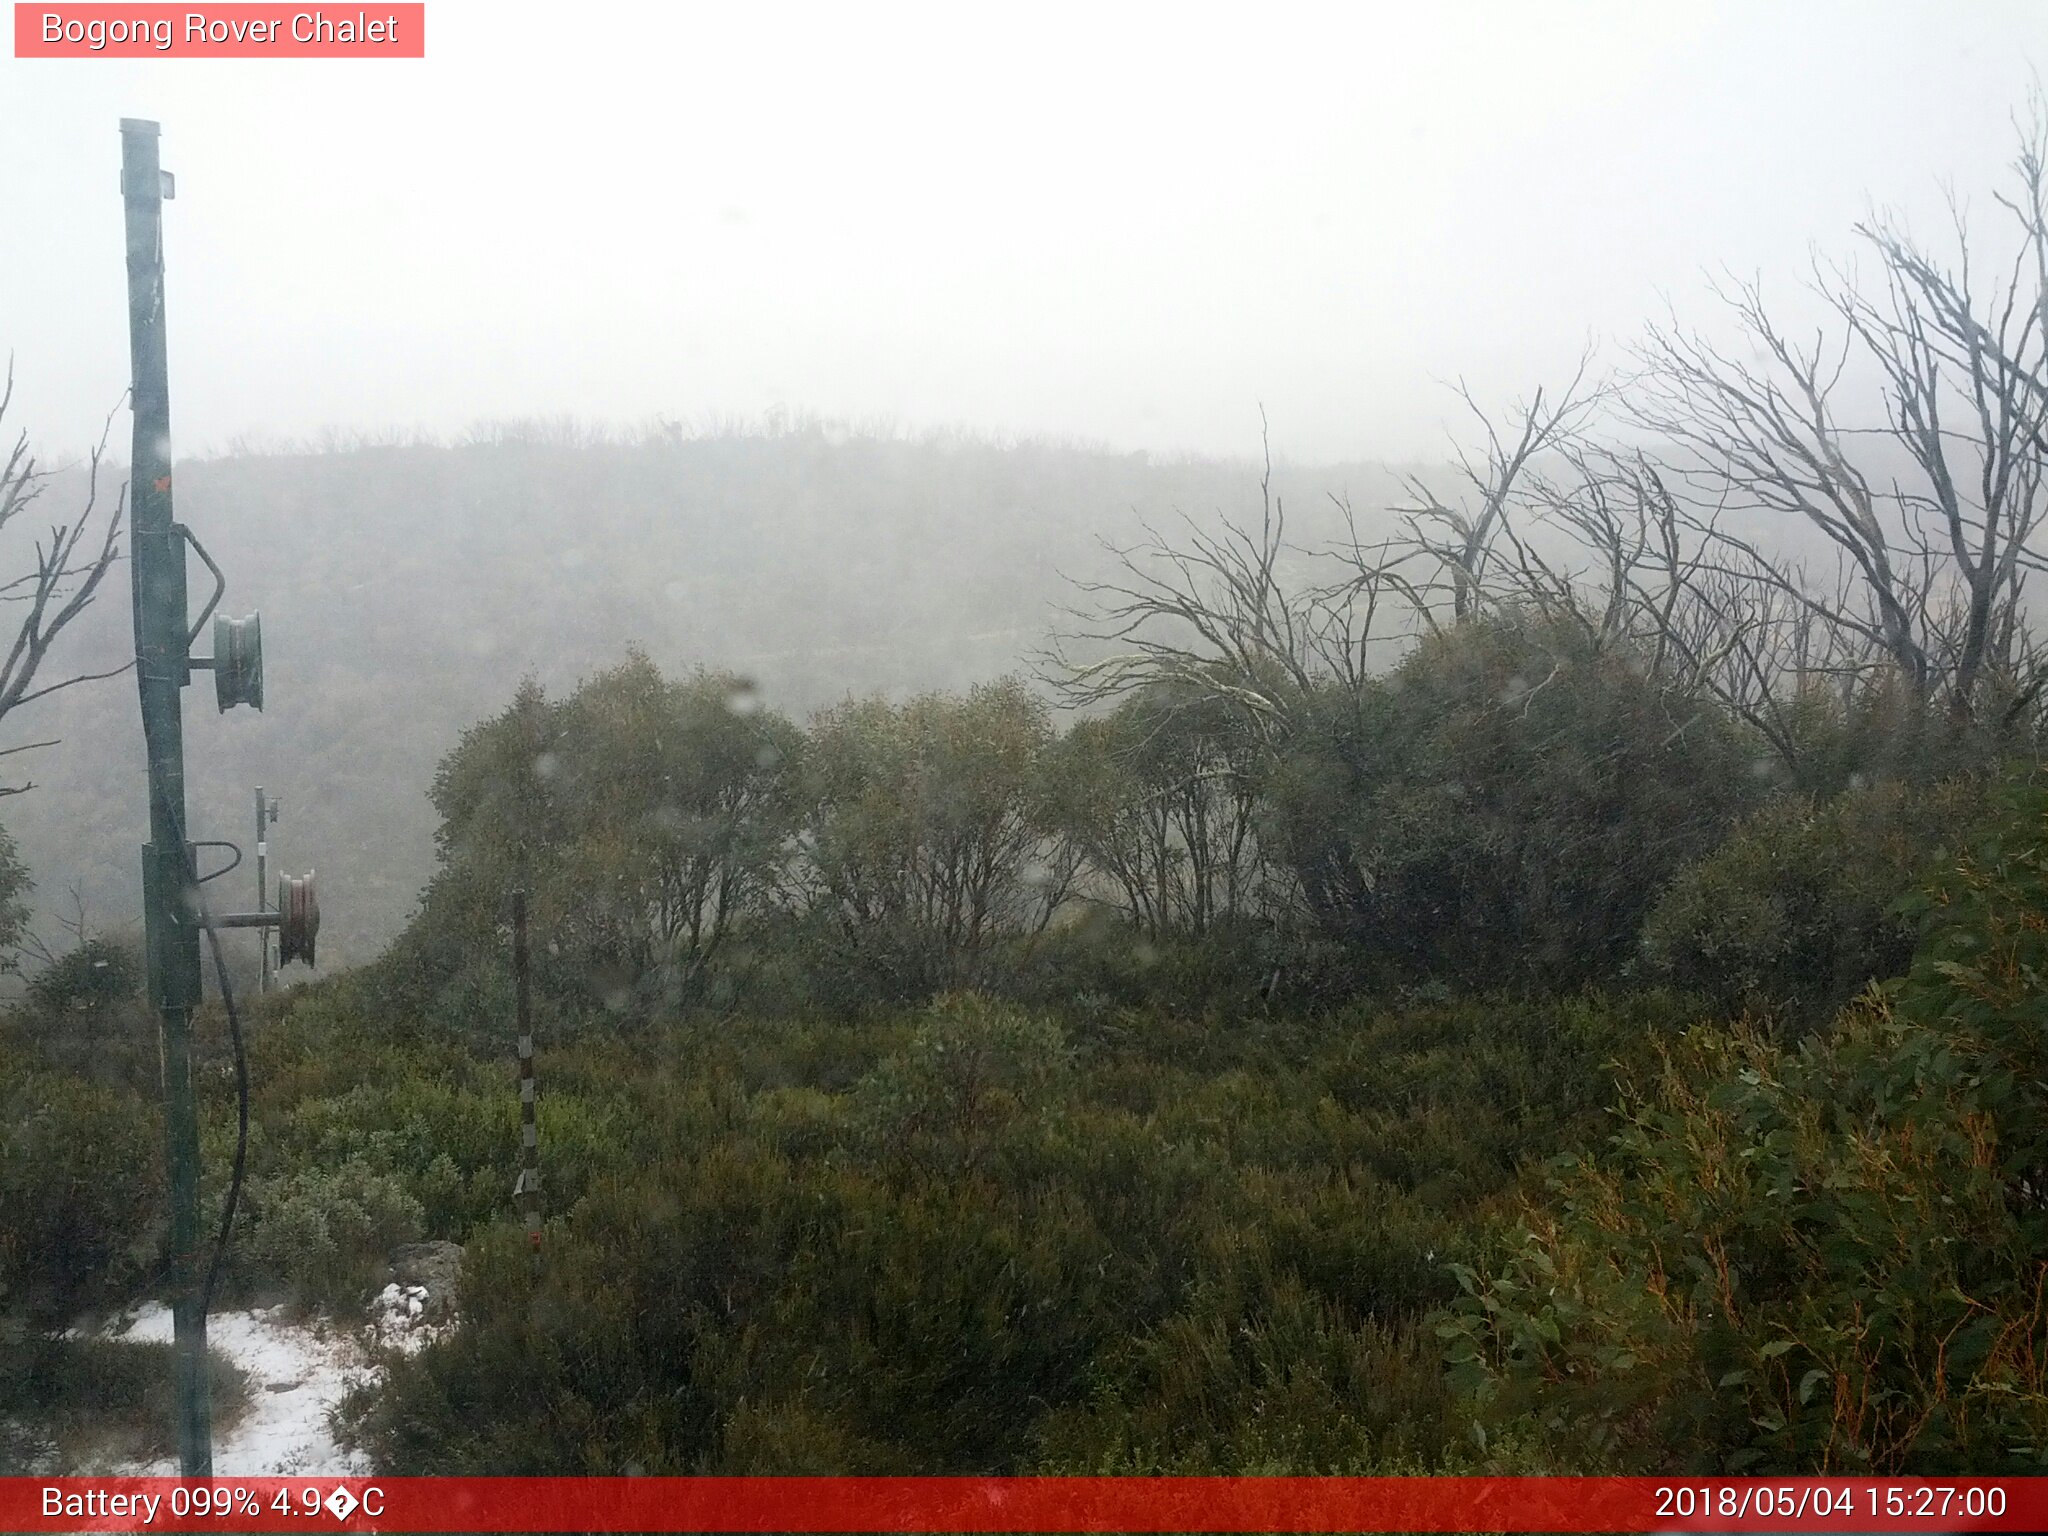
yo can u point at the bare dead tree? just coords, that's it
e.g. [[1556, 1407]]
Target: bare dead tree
[[1910, 434], [1245, 615], [61, 581], [1745, 437], [1945, 342], [77, 923], [1239, 615], [1279, 633], [1460, 535], [1933, 562]]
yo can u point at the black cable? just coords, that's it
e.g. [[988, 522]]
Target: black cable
[[227, 997], [227, 1214]]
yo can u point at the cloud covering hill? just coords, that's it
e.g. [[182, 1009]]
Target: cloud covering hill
[[405, 591]]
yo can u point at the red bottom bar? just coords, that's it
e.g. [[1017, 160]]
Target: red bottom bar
[[1022, 1504]]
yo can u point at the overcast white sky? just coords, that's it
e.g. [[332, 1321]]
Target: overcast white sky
[[1124, 223]]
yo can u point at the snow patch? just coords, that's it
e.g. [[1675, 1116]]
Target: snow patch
[[297, 1374], [398, 1318]]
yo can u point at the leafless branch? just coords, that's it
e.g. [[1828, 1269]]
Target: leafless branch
[[64, 577]]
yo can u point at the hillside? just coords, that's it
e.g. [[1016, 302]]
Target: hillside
[[405, 590]]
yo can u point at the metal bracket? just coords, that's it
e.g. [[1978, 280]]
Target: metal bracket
[[220, 582], [213, 842]]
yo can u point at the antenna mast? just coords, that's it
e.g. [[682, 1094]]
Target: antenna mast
[[173, 908], [162, 652]]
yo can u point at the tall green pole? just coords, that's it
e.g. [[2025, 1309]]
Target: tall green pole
[[162, 668]]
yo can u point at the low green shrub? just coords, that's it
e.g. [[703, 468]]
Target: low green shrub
[[1799, 910], [974, 1238], [81, 1184], [1285, 1384], [1828, 1259], [323, 1233], [72, 1402], [971, 1067]]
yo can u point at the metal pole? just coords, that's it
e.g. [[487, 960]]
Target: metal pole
[[157, 567], [262, 888], [527, 1189]]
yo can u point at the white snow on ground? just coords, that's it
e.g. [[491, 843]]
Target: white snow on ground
[[297, 1372]]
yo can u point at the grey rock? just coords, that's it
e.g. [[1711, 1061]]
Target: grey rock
[[433, 1270]]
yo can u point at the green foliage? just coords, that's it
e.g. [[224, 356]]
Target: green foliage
[[970, 1068], [1799, 909], [84, 1013], [81, 1182], [1158, 800], [1095, 961], [64, 1400], [1276, 1382], [324, 1232], [1506, 805], [1828, 1259], [644, 817], [15, 884], [982, 1238], [92, 979], [926, 840], [1882, 731], [365, 1138], [1503, 808]]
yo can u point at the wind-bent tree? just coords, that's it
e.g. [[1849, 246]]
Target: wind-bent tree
[[60, 580]]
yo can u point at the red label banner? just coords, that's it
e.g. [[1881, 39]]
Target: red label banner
[[100, 31], [1022, 1504]]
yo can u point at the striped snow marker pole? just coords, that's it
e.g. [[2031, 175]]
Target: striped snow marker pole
[[525, 1192]]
